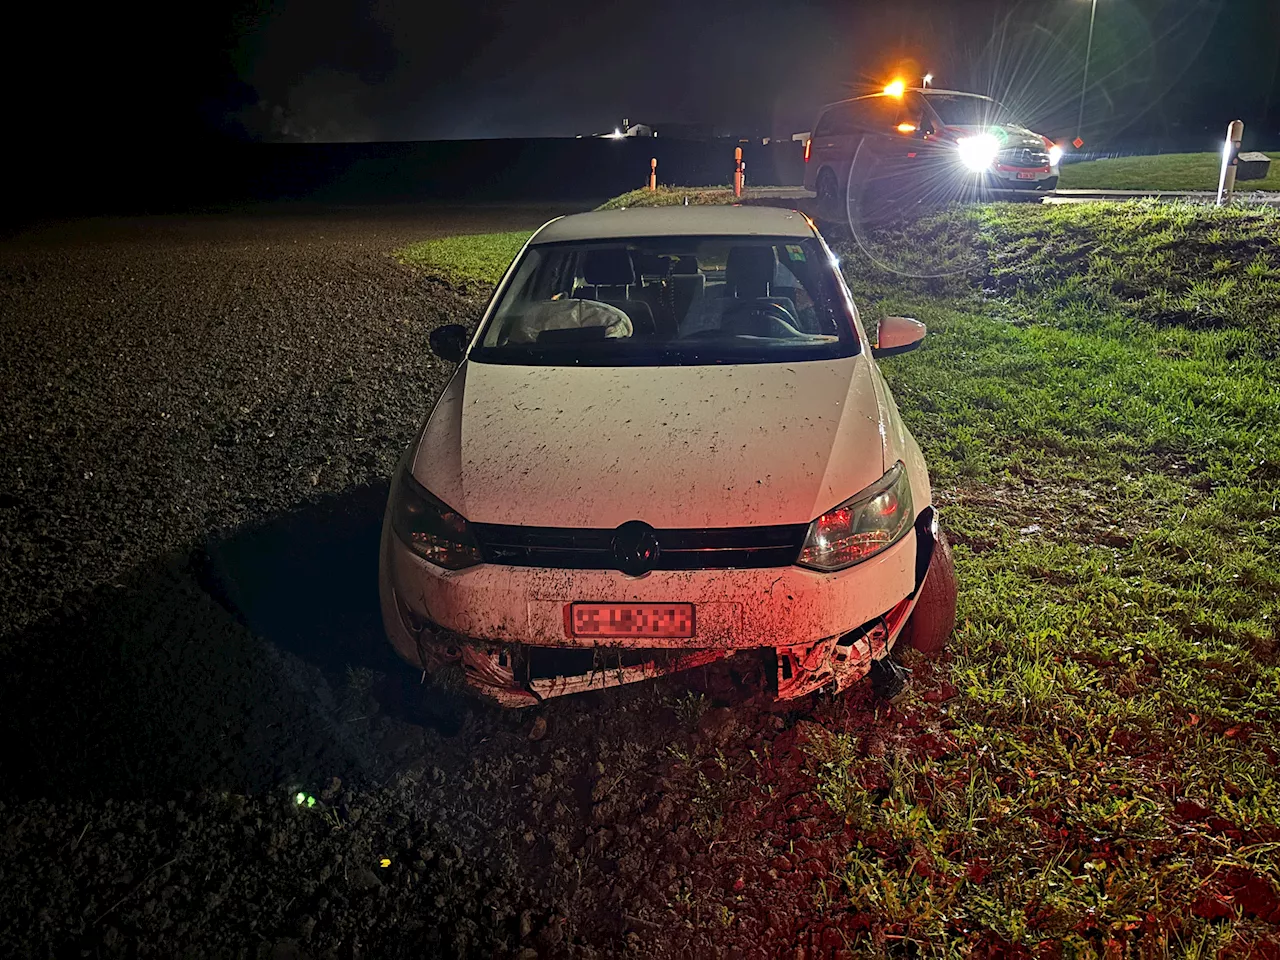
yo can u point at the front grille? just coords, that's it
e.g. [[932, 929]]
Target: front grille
[[574, 548], [1024, 157]]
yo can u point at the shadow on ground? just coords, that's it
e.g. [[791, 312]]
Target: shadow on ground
[[225, 668]]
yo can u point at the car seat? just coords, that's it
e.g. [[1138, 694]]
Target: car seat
[[749, 274], [688, 286], [610, 276]]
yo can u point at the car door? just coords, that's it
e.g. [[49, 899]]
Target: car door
[[834, 141]]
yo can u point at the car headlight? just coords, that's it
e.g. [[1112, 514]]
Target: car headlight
[[978, 152], [430, 528], [862, 526], [1055, 155]]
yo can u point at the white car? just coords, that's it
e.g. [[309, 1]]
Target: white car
[[668, 442]]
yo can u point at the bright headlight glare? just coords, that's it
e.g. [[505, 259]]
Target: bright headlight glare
[[430, 528], [1055, 154], [978, 152], [861, 527]]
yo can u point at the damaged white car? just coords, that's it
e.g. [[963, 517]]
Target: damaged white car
[[668, 442]]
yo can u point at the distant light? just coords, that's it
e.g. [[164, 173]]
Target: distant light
[[906, 127], [928, 79], [896, 89], [616, 135]]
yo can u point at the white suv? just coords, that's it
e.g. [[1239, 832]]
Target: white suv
[[668, 442]]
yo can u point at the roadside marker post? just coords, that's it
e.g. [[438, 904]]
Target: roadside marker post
[[1230, 158], [653, 173], [737, 171]]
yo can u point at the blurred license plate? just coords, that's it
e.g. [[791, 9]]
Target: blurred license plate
[[630, 619], [1026, 176]]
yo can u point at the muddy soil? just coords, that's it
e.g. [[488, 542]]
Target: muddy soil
[[210, 751]]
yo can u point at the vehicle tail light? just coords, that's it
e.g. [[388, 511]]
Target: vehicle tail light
[[808, 145]]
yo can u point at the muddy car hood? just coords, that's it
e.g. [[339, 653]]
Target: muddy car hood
[[692, 446]]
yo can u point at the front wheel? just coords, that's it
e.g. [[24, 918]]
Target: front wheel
[[934, 616]]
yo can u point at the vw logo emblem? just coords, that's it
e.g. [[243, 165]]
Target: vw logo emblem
[[635, 548]]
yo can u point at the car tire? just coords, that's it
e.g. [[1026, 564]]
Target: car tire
[[1050, 184], [934, 616]]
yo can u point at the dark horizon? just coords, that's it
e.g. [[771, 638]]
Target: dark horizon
[[340, 73]]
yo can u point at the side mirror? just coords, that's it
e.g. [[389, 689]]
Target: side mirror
[[449, 342], [897, 335]]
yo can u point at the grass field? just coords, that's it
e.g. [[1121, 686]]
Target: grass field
[[1170, 171], [478, 258], [1098, 404]]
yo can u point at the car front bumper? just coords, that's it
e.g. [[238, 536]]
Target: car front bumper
[[1001, 179], [504, 628]]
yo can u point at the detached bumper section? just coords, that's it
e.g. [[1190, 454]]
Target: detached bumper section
[[503, 624]]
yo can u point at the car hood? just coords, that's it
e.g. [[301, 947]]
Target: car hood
[[682, 446], [1010, 135]]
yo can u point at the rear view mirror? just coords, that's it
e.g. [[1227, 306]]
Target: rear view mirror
[[897, 335], [449, 342]]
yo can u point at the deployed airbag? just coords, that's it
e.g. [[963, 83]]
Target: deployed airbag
[[569, 314]]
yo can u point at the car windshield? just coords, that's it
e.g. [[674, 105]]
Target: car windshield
[[959, 110], [670, 300]]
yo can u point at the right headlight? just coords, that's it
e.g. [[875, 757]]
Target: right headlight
[[864, 525], [430, 528]]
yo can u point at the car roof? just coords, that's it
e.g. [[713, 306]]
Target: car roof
[[927, 91], [676, 221]]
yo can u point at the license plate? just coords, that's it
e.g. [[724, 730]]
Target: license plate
[[1026, 176], [650, 620]]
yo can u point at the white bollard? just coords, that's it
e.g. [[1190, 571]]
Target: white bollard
[[1230, 157]]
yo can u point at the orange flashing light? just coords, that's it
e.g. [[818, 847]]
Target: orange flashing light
[[808, 145], [906, 127], [896, 89]]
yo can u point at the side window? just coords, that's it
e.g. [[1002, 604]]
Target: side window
[[916, 112], [839, 121], [883, 112]]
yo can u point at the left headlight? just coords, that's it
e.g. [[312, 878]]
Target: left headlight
[[862, 526], [978, 152], [430, 528]]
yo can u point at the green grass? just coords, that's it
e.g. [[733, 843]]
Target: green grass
[[1098, 403], [1110, 475], [479, 258], [672, 197], [1170, 171]]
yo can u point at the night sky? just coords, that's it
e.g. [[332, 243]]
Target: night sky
[[334, 70]]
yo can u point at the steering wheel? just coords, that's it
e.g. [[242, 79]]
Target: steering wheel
[[740, 314]]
